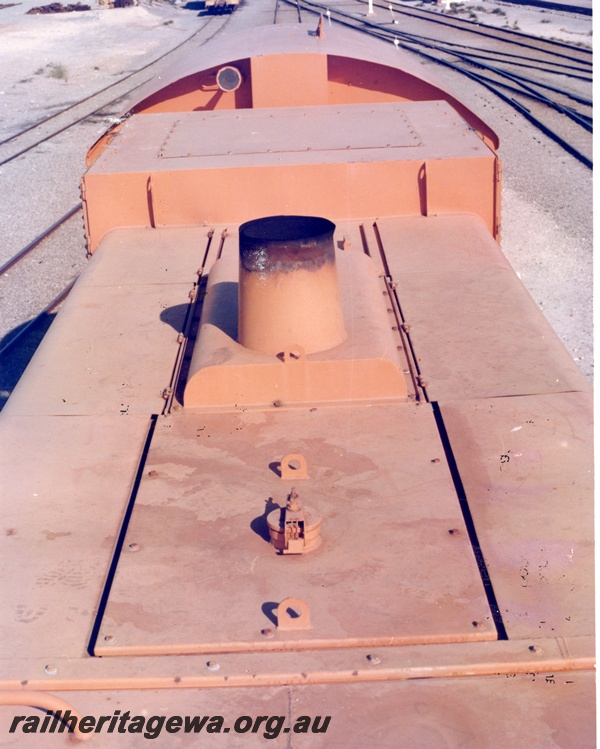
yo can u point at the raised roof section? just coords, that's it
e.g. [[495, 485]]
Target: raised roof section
[[284, 66], [387, 159]]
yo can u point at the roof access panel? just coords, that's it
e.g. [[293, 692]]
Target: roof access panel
[[395, 565], [295, 135]]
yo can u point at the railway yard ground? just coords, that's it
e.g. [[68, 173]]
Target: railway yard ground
[[50, 62]]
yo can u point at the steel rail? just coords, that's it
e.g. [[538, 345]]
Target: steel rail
[[96, 111], [66, 127], [520, 80], [520, 58], [35, 242], [521, 109], [106, 88], [561, 91], [40, 123], [517, 79], [505, 61], [587, 124], [463, 24]]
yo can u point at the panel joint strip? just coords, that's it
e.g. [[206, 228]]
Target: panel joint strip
[[468, 518], [121, 539]]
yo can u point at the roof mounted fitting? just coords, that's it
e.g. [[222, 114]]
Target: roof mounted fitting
[[288, 290], [293, 529], [229, 78]]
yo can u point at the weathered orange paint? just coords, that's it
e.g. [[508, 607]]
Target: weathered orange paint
[[408, 164], [199, 91], [301, 81], [143, 424]]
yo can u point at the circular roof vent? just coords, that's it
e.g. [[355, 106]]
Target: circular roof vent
[[229, 78]]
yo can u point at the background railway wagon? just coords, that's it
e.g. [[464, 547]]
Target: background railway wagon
[[443, 439], [221, 6]]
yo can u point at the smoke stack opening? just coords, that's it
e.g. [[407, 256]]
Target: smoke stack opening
[[288, 292]]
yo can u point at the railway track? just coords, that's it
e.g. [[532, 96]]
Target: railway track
[[542, 100], [49, 127], [511, 36]]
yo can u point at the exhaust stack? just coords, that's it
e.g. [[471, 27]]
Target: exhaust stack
[[288, 288]]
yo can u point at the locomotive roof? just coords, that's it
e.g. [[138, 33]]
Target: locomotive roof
[[444, 444], [298, 39]]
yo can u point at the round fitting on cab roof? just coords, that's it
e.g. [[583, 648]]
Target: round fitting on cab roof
[[229, 78]]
